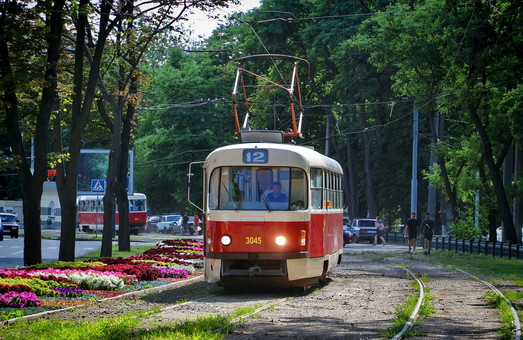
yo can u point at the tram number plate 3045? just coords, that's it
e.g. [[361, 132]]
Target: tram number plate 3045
[[253, 240]]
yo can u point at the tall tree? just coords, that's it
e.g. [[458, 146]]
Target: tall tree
[[82, 102], [21, 29]]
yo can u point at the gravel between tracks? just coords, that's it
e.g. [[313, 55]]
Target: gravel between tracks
[[359, 302]]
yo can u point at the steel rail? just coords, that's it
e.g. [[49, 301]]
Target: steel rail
[[515, 316], [415, 312]]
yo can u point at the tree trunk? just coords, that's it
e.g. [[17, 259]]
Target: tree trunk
[[495, 176], [66, 179], [109, 217], [449, 192], [32, 183], [372, 209], [81, 108], [352, 166], [124, 240]]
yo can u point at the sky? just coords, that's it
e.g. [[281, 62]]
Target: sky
[[203, 26]]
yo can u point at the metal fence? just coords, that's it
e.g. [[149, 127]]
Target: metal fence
[[500, 249]]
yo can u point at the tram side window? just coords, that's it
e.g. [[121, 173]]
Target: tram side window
[[298, 190], [90, 206], [136, 205], [316, 188], [214, 189]]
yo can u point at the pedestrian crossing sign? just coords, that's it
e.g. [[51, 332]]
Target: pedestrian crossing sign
[[97, 185]]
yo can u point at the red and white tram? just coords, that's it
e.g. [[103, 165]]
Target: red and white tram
[[253, 235], [91, 213]]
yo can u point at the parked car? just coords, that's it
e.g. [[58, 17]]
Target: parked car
[[152, 222], [364, 228], [10, 224], [1, 232], [348, 235], [167, 222]]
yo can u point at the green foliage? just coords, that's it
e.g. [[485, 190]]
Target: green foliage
[[182, 130], [464, 228], [419, 51], [10, 314]]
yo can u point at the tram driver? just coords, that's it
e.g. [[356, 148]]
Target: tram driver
[[276, 195]]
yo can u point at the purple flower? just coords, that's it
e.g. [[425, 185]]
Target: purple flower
[[68, 291], [172, 272]]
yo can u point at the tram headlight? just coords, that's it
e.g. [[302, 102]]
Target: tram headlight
[[226, 240], [281, 240]]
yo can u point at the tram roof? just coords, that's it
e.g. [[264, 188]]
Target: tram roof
[[301, 156]]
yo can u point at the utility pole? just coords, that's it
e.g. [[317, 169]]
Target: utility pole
[[414, 181], [431, 204], [328, 135]]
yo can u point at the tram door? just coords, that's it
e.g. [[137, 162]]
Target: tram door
[[264, 179]]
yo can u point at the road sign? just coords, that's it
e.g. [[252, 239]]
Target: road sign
[[97, 185]]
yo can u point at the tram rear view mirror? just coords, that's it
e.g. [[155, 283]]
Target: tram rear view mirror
[[190, 180]]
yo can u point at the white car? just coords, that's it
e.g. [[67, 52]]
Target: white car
[[167, 222], [10, 224]]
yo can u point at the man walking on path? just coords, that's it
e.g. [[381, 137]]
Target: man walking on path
[[427, 227], [411, 229]]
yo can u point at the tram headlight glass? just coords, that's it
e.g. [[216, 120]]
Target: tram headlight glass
[[281, 240], [226, 240]]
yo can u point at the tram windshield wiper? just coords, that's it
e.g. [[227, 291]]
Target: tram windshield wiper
[[264, 198], [236, 207]]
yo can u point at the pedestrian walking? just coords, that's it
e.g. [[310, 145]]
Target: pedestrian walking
[[196, 223], [380, 229], [185, 224], [427, 229], [411, 229]]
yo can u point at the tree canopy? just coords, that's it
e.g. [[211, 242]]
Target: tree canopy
[[373, 63]]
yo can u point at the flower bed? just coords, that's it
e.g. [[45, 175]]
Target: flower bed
[[60, 284]]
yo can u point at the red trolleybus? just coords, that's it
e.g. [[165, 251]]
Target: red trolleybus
[[273, 213], [91, 213]]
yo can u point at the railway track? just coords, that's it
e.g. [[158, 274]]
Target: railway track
[[460, 306]]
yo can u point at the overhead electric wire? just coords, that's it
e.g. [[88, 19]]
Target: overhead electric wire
[[342, 16]]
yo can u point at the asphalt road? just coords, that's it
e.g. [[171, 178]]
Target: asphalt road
[[12, 249]]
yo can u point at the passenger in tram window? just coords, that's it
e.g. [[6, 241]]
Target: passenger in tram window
[[411, 228], [276, 195]]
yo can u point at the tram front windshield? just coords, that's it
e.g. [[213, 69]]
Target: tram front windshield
[[258, 188]]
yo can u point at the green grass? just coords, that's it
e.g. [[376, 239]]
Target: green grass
[[505, 315], [485, 265], [135, 250], [404, 311], [124, 327]]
